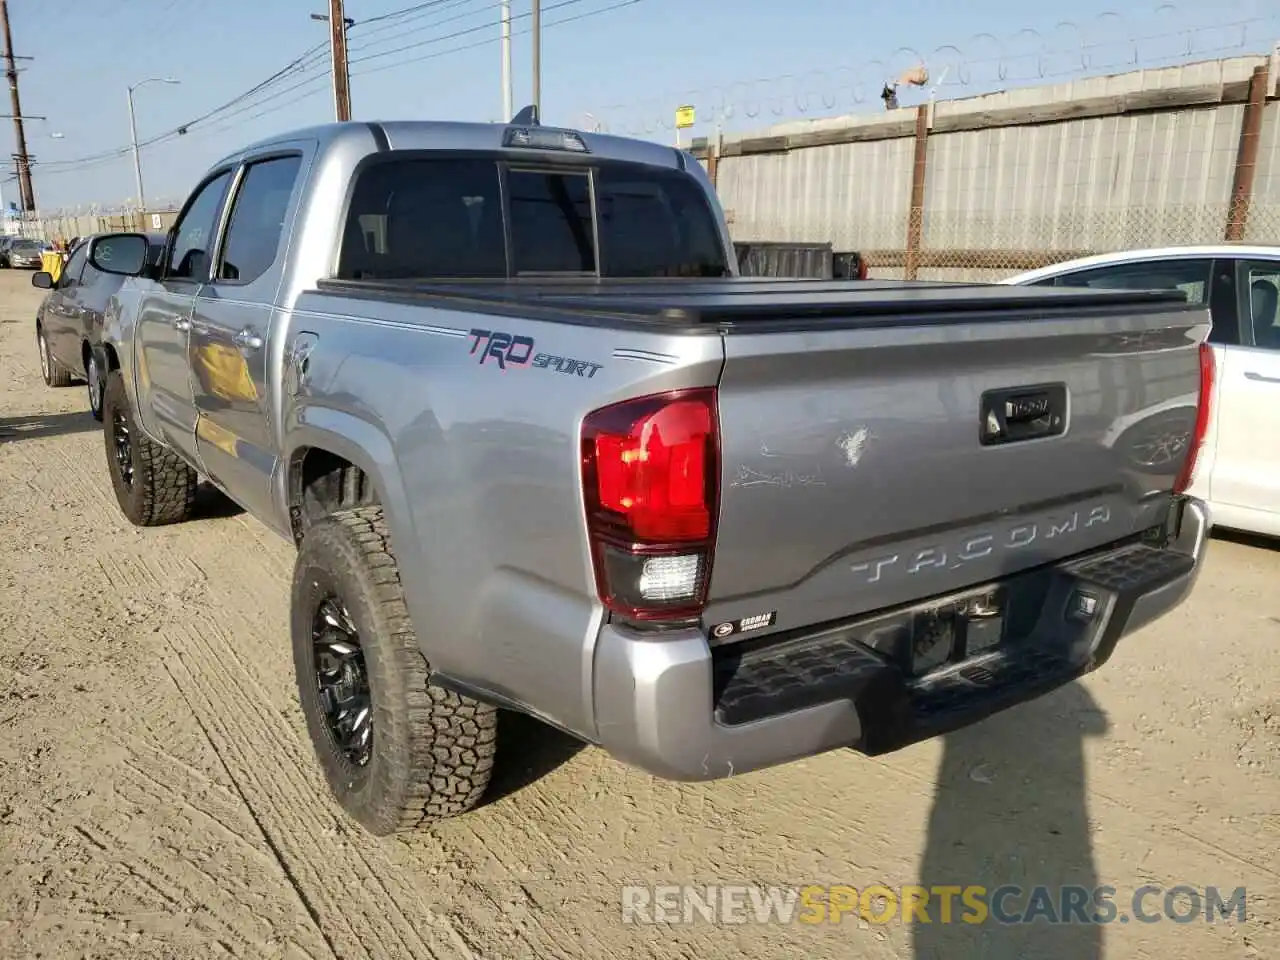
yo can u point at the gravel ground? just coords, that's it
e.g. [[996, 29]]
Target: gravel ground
[[158, 797]]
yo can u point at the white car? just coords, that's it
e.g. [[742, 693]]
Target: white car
[[1238, 472]]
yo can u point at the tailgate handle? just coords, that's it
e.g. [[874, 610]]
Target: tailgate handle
[[1013, 414]]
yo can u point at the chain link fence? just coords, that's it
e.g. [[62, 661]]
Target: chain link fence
[[986, 247], [964, 247]]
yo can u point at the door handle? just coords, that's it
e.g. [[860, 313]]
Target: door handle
[[1261, 378], [182, 324], [248, 339]]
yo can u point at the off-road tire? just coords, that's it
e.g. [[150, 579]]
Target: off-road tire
[[432, 749], [54, 373], [163, 488]]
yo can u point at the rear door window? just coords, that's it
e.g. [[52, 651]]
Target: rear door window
[[257, 219]]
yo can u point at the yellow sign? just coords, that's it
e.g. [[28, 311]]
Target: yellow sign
[[684, 117]]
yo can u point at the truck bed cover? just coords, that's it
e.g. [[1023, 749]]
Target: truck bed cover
[[728, 300]]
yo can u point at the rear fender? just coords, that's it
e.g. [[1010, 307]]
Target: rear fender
[[366, 444]]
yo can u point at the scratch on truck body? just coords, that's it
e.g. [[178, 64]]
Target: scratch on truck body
[[748, 477], [854, 445]]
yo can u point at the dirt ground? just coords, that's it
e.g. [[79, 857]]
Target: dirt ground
[[158, 797]]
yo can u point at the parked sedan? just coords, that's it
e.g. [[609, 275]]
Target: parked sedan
[[69, 321], [1238, 472], [5, 243], [24, 254]]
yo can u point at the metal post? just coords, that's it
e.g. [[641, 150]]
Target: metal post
[[537, 56], [1247, 155], [915, 217], [137, 160], [508, 99]]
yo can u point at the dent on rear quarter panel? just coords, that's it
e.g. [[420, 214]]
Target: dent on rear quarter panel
[[498, 578]]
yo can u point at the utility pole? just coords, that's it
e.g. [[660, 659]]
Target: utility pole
[[508, 104], [133, 135], [22, 158], [341, 75], [137, 157], [537, 57]]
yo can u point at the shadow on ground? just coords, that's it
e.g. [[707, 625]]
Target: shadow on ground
[[528, 750], [35, 426], [1255, 540], [212, 504], [1011, 810]]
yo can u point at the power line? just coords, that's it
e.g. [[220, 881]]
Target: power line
[[470, 30], [437, 7], [488, 40], [305, 62]]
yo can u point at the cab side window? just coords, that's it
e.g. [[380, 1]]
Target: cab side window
[[70, 278], [192, 246], [257, 219]]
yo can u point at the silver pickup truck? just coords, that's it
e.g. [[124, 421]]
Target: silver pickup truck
[[542, 450]]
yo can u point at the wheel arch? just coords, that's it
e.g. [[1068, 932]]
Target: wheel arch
[[335, 461]]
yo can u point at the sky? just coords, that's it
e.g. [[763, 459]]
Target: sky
[[622, 65]]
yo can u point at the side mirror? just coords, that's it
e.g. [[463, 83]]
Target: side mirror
[[43, 280], [122, 254]]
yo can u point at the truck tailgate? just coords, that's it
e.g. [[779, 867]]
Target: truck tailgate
[[866, 465]]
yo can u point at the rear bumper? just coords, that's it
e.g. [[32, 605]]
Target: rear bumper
[[679, 710]]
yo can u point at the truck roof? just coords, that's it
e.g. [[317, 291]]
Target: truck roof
[[456, 135]]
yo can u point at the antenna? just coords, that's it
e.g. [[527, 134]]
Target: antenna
[[528, 117]]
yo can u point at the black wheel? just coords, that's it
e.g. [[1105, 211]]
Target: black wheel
[[93, 378], [397, 752], [55, 375], [153, 485]]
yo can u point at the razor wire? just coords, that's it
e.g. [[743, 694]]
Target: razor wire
[[1109, 42]]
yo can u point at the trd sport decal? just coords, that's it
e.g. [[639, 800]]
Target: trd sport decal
[[506, 350]]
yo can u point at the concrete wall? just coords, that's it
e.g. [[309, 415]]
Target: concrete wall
[[1139, 159]]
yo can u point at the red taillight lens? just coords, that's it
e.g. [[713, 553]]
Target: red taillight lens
[[650, 470], [1203, 409]]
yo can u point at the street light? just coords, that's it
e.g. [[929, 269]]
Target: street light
[[133, 132]]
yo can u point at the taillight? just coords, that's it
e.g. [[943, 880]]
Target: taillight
[[1203, 406], [650, 476], [862, 268]]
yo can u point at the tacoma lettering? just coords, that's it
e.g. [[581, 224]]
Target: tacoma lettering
[[942, 556]]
